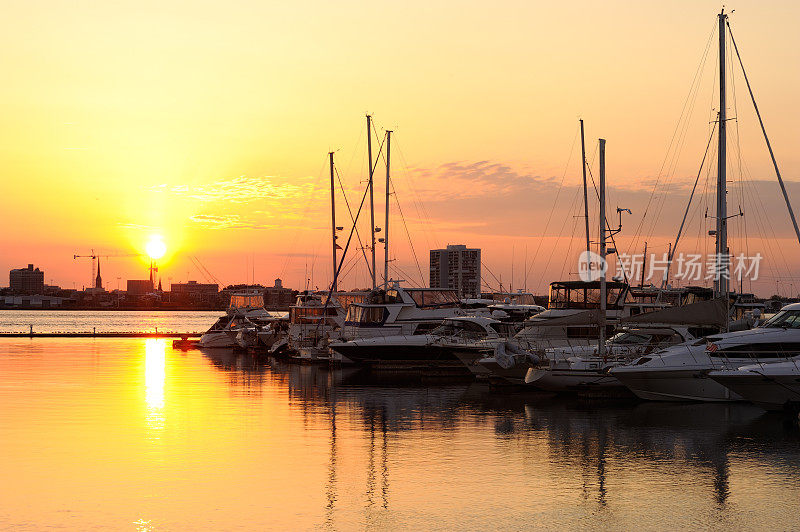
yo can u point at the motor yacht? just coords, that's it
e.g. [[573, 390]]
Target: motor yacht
[[771, 386], [681, 372], [400, 311], [244, 305], [566, 369], [438, 349]]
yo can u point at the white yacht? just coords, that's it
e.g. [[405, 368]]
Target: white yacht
[[245, 305], [681, 372], [400, 311], [315, 321], [437, 349], [771, 386], [581, 368]]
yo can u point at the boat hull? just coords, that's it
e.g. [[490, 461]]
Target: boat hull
[[216, 339], [571, 380], [500, 375], [405, 357], [673, 384], [774, 392]]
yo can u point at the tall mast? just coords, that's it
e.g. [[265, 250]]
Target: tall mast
[[386, 223], [371, 200], [333, 223], [722, 262], [601, 346], [585, 196]]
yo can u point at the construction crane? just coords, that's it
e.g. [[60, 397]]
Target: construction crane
[[96, 281]]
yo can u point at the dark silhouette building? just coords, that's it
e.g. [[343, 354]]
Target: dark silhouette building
[[277, 297], [194, 293], [139, 287], [26, 280]]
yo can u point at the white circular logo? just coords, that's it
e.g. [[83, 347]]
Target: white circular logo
[[591, 266]]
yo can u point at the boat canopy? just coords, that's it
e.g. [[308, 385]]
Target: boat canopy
[[581, 295], [433, 297], [713, 312]]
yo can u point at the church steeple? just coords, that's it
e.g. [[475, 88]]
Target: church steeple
[[98, 282]]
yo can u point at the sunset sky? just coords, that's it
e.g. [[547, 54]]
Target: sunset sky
[[209, 124]]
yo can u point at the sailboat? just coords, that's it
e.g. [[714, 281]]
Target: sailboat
[[681, 372]]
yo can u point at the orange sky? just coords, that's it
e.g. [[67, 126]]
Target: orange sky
[[210, 123]]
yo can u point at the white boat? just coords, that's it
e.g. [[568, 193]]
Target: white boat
[[770, 386], [400, 311], [437, 350], [315, 320], [245, 305], [681, 373], [581, 368]]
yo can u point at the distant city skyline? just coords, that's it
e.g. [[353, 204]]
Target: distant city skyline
[[132, 120]]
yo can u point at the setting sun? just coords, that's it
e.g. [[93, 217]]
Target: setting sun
[[156, 248]]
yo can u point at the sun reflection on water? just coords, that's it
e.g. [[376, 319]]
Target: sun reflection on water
[[154, 372]]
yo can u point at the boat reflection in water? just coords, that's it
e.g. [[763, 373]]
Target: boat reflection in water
[[537, 458]]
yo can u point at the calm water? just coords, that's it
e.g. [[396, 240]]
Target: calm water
[[88, 320], [129, 434]]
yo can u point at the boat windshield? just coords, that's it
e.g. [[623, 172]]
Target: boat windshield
[[247, 301], [785, 319], [625, 338], [366, 316], [434, 298], [466, 329], [310, 314]]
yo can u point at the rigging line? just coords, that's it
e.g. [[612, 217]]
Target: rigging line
[[553, 207], [689, 204], [297, 228], [672, 168], [675, 131], [763, 211], [404, 275], [344, 252], [766, 138], [672, 163], [417, 200], [570, 209], [408, 234], [483, 265], [347, 203], [569, 247], [608, 225]]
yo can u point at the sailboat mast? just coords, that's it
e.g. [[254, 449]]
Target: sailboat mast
[[386, 222], [585, 196], [371, 199], [722, 262], [333, 223], [601, 346]]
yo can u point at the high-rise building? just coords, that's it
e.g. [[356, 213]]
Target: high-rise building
[[26, 280], [457, 267]]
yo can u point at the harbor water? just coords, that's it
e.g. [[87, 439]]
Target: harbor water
[[130, 434]]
